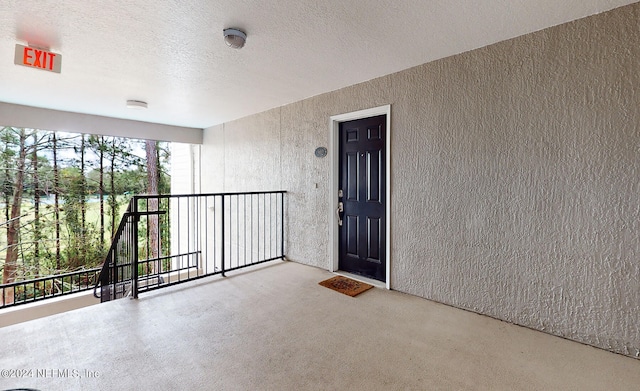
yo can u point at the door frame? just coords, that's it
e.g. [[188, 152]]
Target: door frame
[[334, 155]]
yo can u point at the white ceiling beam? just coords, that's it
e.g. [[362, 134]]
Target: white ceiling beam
[[38, 118]]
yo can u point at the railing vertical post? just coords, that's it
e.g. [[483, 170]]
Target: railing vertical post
[[114, 279], [134, 261], [282, 225], [222, 233]]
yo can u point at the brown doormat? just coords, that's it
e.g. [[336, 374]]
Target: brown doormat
[[346, 285]]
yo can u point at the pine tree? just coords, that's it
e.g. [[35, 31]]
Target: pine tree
[[13, 223], [56, 202], [153, 180]]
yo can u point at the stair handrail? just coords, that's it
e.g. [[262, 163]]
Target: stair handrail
[[103, 278]]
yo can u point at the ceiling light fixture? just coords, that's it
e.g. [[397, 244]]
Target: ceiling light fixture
[[234, 38], [136, 104]]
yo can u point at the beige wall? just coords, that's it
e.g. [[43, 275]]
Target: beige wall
[[515, 177]]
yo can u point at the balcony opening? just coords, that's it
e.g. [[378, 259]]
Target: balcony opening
[[62, 197]]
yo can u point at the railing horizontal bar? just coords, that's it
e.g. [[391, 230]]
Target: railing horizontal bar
[[167, 273], [164, 196], [51, 277], [176, 282], [152, 212], [154, 287], [153, 275], [82, 288], [254, 263], [169, 257]]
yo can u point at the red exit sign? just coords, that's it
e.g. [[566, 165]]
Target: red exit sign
[[38, 58]]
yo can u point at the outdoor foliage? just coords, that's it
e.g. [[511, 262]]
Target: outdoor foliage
[[62, 196]]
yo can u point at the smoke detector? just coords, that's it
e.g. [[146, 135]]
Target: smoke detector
[[234, 38]]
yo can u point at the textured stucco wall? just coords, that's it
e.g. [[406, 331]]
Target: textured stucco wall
[[184, 176], [515, 177], [528, 157], [243, 155]]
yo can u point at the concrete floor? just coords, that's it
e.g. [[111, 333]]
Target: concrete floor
[[275, 328]]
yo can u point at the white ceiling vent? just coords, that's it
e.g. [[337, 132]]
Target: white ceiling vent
[[136, 104]]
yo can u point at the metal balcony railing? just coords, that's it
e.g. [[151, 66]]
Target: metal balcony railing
[[165, 240], [29, 291]]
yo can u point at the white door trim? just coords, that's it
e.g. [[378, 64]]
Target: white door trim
[[334, 126]]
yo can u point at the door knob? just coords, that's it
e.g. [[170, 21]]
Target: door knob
[[339, 212]]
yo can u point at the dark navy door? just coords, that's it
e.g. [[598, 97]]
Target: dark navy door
[[362, 193]]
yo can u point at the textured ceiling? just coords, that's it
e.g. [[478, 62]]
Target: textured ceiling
[[171, 54]]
